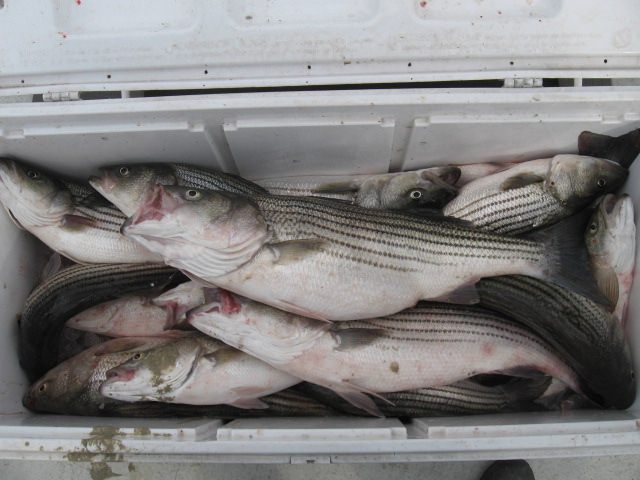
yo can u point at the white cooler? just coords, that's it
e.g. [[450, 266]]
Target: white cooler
[[249, 87]]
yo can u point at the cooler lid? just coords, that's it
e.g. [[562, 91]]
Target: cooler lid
[[137, 44]]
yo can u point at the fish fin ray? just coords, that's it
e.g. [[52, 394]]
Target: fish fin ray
[[291, 251], [607, 281], [351, 338], [567, 258], [521, 180]]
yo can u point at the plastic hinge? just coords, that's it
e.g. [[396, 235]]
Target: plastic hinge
[[522, 82], [60, 96]]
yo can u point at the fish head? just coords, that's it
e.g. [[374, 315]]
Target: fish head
[[155, 373], [254, 327], [127, 186], [611, 232], [575, 179], [218, 221], [107, 316], [427, 187], [32, 197]]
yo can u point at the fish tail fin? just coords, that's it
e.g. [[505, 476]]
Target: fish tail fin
[[567, 259], [622, 150], [357, 397], [524, 390]]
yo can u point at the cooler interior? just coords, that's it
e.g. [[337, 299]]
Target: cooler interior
[[273, 134]]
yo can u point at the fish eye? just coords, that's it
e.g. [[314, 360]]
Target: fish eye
[[192, 194], [124, 171], [33, 174], [602, 182], [415, 194], [42, 388], [593, 227], [137, 356]]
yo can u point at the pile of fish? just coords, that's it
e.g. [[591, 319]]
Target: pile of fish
[[449, 290]]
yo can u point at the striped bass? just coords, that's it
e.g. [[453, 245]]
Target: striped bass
[[84, 228], [431, 187], [195, 370], [427, 346], [461, 398], [611, 242], [71, 291], [126, 186], [536, 193], [586, 336], [333, 261], [73, 388]]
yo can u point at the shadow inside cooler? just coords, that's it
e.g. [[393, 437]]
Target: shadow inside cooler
[[261, 135]]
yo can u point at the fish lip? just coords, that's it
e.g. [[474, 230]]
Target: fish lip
[[103, 182]]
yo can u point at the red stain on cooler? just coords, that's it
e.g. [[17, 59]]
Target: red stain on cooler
[[78, 2], [423, 3], [64, 35]]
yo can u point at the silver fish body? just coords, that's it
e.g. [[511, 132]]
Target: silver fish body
[[431, 187], [586, 336], [329, 260], [73, 388], [611, 242], [427, 346], [71, 291], [534, 194], [143, 314], [79, 226], [195, 370]]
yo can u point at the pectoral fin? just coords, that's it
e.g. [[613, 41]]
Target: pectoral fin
[[351, 338], [464, 294], [292, 251], [607, 282], [71, 220], [522, 180]]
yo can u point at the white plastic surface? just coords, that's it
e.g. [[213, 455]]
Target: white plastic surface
[[417, 128], [132, 44]]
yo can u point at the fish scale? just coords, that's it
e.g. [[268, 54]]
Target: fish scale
[[201, 178], [334, 261], [70, 291], [383, 354], [585, 335], [461, 398], [509, 212]]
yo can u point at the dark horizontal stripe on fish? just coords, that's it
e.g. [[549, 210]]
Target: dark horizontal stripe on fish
[[362, 218], [420, 247], [428, 328], [491, 244], [531, 290], [496, 199]]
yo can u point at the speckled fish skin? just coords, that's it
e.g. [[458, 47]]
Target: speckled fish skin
[[329, 260], [427, 346], [72, 388], [140, 315], [85, 229], [586, 336], [536, 193], [195, 370], [431, 187], [611, 242], [71, 291], [127, 185]]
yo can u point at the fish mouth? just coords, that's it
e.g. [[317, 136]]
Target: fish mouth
[[117, 376], [159, 204], [103, 184]]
